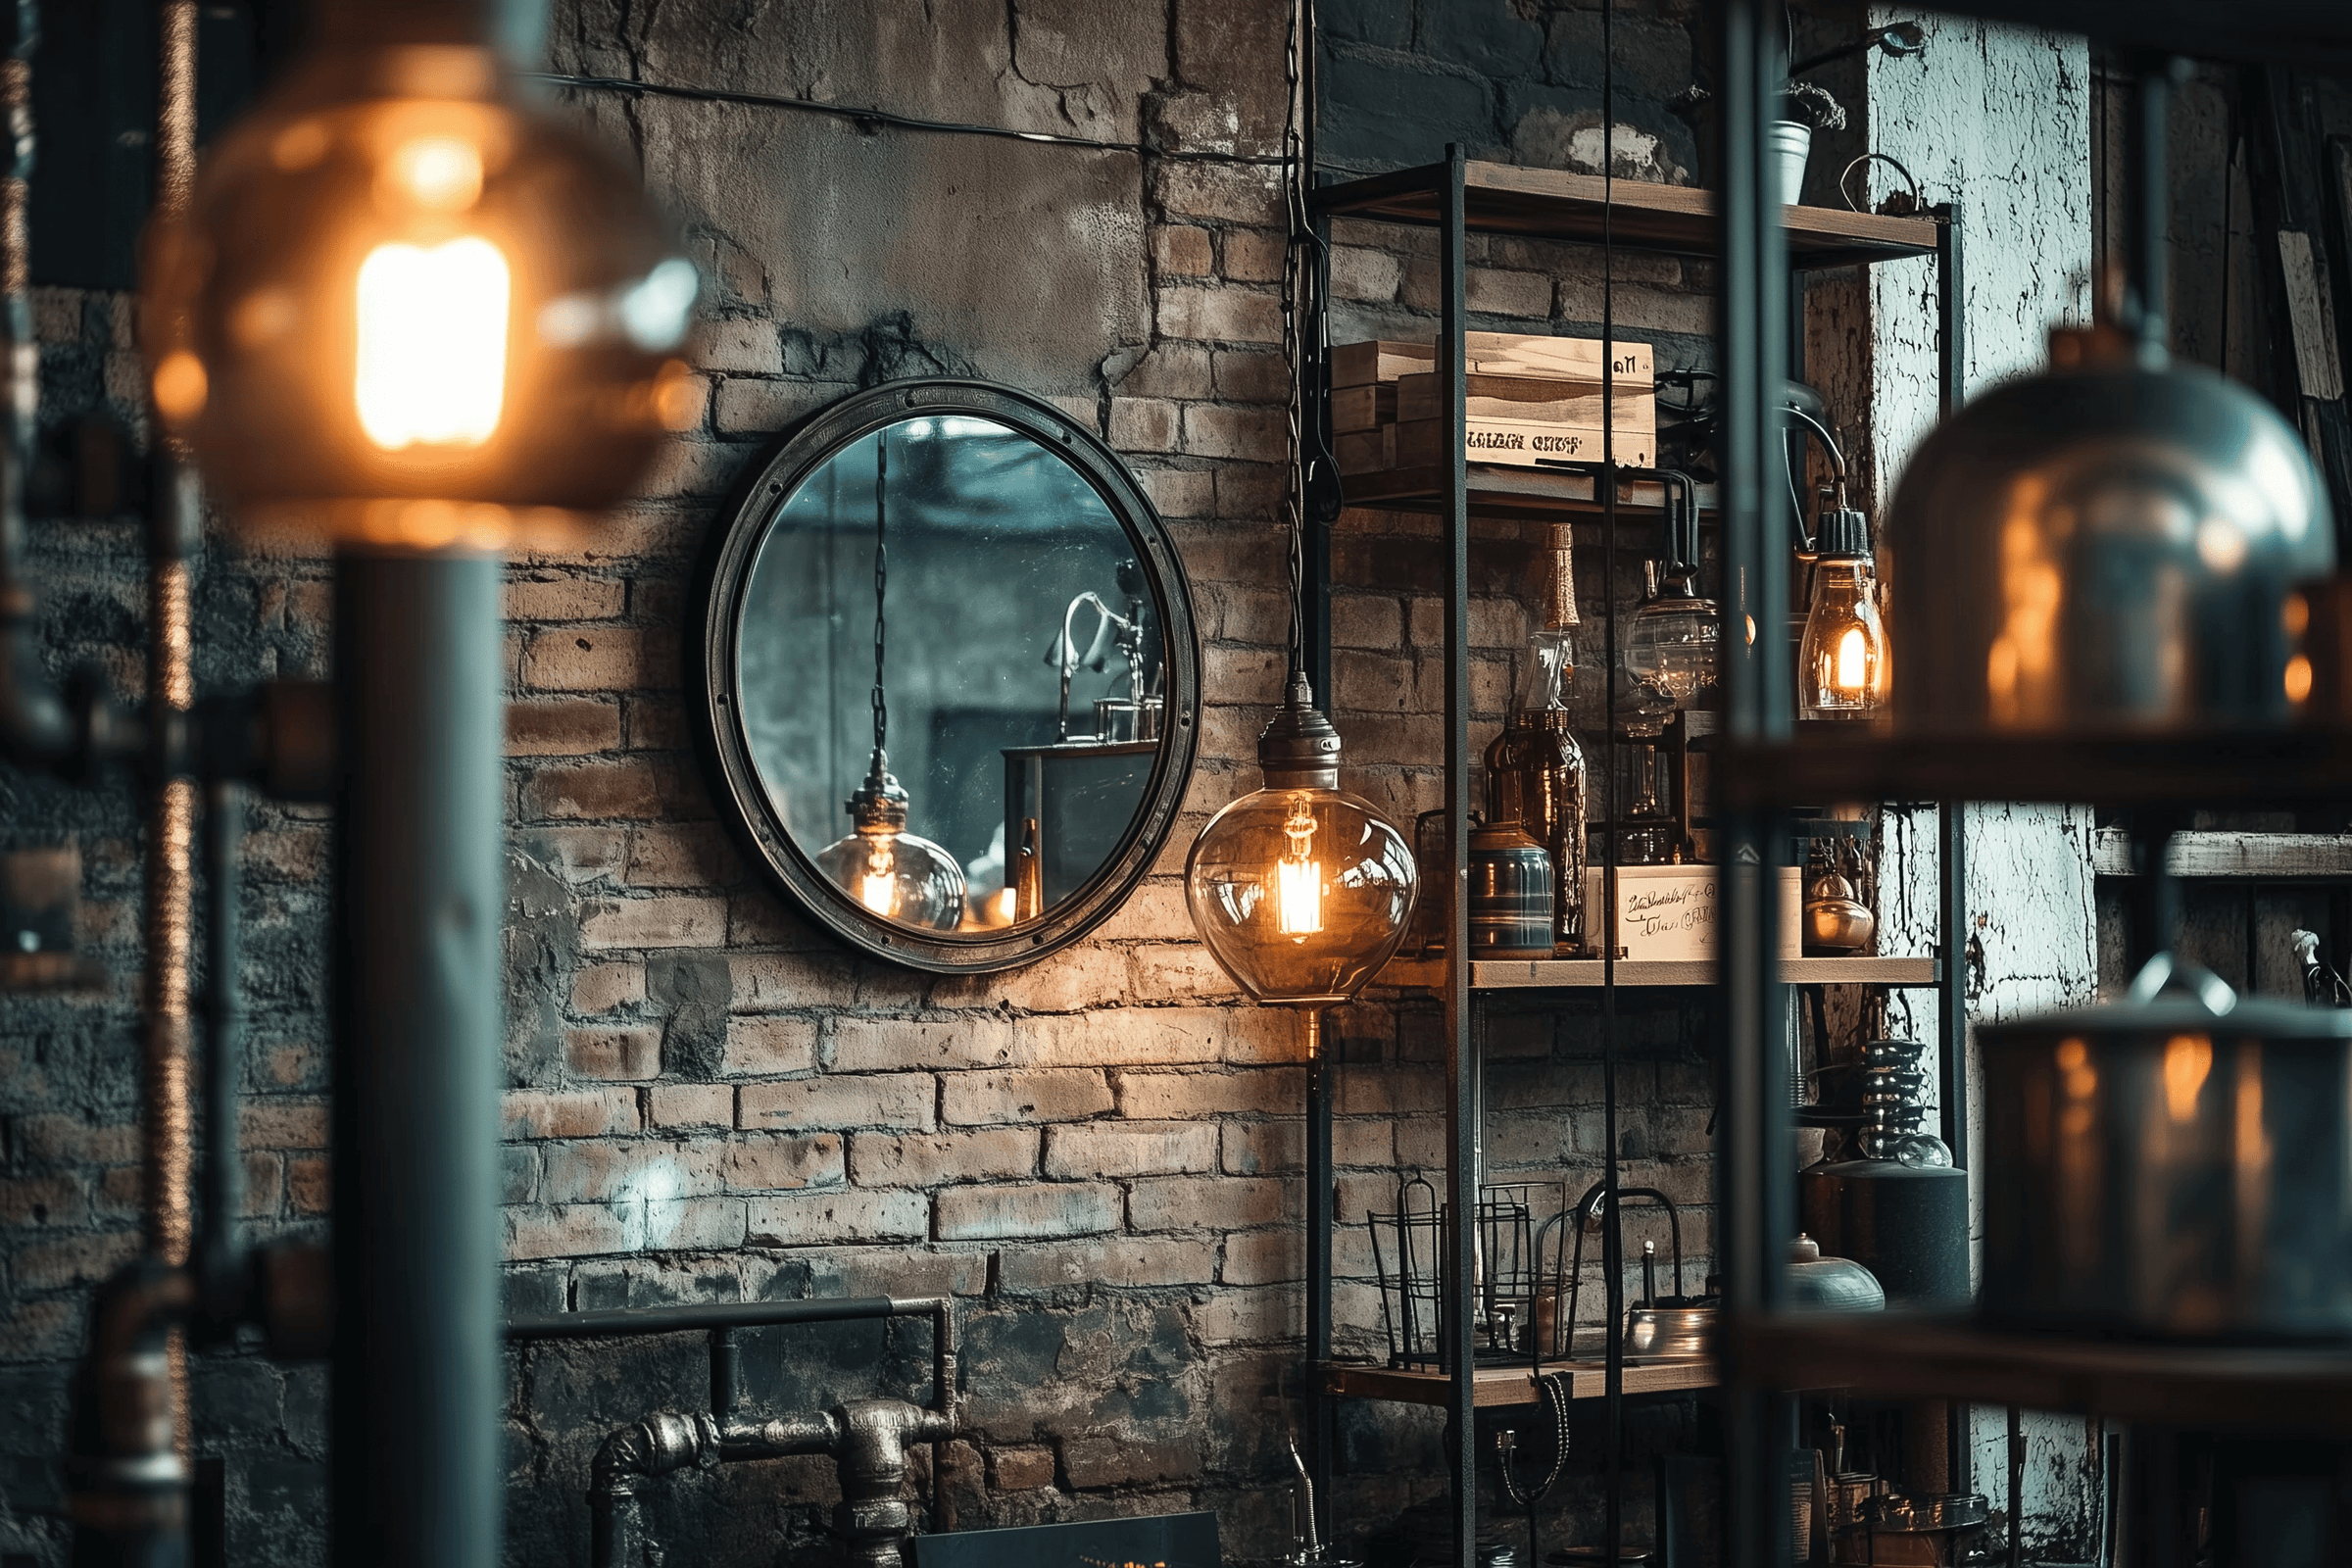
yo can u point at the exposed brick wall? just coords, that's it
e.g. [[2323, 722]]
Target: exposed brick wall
[[708, 1099]]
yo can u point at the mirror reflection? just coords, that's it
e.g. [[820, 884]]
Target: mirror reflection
[[950, 673]]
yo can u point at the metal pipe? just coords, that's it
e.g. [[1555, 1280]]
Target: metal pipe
[[33, 722], [128, 1478], [167, 1120], [415, 1460], [706, 1316]]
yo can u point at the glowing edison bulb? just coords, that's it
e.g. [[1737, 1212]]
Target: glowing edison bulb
[[1853, 661], [405, 306], [433, 343], [878, 884], [1298, 890], [1842, 663], [1298, 879]]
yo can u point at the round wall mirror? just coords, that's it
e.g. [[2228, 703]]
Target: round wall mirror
[[950, 673]]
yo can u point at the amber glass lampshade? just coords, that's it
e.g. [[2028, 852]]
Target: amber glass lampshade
[[1299, 890], [404, 306]]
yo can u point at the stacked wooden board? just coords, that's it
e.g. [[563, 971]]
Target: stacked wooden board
[[1533, 402]]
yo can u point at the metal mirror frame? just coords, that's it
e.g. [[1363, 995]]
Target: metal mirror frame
[[758, 824]]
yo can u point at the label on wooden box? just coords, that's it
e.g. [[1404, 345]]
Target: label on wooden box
[[1519, 443], [1669, 911], [1553, 400]]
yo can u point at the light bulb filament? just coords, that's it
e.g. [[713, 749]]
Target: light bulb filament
[[878, 884], [1853, 659], [1298, 878], [433, 343]]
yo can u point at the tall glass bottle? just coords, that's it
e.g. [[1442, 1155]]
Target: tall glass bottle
[[1536, 768]]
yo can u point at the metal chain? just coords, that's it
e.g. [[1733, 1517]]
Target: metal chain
[[1295, 267], [881, 584]]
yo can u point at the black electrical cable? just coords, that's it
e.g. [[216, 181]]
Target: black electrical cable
[[885, 117], [1612, 1238]]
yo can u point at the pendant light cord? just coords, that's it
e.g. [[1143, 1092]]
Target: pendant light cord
[[1298, 274], [881, 588]]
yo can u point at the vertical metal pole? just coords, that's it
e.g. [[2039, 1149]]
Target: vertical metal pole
[[416, 1467], [1754, 1178], [166, 1119], [223, 1042], [1951, 850], [1461, 1067], [1951, 301], [1320, 1218]]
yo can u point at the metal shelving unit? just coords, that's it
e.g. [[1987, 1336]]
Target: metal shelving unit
[[1764, 770], [1456, 197]]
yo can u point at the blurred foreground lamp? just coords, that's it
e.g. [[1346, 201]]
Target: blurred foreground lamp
[[404, 308], [2110, 547], [1299, 890], [1843, 663]]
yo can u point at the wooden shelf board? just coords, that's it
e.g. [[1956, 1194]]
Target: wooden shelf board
[[1535, 974], [2264, 857], [1900, 1355], [1498, 490], [1552, 203], [2281, 768], [1512, 1385]]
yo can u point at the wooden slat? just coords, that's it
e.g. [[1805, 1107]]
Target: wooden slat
[[2264, 857], [1496, 491], [1556, 205], [2302, 1389], [1497, 1385], [1585, 973]]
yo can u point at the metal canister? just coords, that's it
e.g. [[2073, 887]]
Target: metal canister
[[1510, 893]]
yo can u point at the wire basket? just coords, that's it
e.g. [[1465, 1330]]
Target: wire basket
[[1410, 1247]]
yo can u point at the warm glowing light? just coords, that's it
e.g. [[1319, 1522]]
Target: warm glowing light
[[442, 172], [180, 386], [878, 882], [1298, 879], [1008, 904], [2298, 678], [432, 348], [1853, 661], [2188, 1059]]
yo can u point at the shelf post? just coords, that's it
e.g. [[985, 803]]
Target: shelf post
[[1320, 1217], [1755, 1202], [1461, 1098]]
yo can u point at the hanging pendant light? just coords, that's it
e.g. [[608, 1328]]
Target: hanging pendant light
[[1842, 664], [1299, 890], [403, 307], [889, 871]]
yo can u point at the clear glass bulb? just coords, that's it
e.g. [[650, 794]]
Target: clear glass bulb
[[1299, 890], [899, 876], [894, 873], [1841, 661], [1673, 645]]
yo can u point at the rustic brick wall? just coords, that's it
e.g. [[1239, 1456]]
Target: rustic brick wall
[[1096, 1154]]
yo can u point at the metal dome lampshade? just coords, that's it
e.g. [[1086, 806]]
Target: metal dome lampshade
[[2110, 547], [1299, 890]]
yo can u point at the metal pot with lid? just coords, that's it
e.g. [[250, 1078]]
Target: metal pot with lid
[[2178, 1164]]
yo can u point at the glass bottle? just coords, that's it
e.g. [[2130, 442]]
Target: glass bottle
[[1650, 834], [1841, 664], [1536, 774]]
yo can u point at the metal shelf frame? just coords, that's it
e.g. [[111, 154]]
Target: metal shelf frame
[[1457, 196]]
